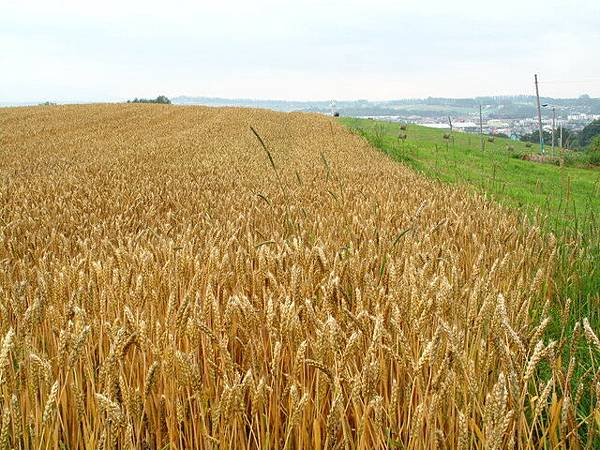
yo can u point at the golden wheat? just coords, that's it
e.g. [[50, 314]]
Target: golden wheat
[[237, 278]]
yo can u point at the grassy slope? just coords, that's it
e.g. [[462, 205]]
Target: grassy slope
[[568, 196], [565, 200]]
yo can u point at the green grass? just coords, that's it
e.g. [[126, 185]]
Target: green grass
[[568, 196], [562, 200]]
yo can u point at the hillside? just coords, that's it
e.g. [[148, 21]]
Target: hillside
[[569, 196], [193, 277]]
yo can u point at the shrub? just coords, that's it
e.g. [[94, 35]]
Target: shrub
[[161, 99]]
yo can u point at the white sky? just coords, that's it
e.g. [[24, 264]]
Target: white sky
[[373, 49]]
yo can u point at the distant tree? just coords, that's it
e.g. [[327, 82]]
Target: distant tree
[[570, 138], [160, 99], [593, 151], [534, 137], [595, 145], [163, 99], [589, 133]]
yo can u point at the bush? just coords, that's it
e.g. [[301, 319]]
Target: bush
[[595, 144], [160, 99], [593, 152], [590, 133], [594, 158]]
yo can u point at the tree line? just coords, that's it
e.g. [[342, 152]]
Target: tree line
[[586, 139], [160, 99]]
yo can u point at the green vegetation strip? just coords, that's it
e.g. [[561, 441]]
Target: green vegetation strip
[[565, 200], [568, 196], [562, 200]]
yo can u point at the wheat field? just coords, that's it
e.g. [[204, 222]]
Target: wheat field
[[190, 277]]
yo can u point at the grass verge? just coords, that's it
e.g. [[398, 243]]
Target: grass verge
[[565, 201]]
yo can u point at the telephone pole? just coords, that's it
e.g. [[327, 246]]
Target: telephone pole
[[553, 126], [561, 135], [539, 108], [481, 127]]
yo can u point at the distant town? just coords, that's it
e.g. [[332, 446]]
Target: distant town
[[510, 127], [513, 116]]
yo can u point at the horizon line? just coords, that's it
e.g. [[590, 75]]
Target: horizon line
[[67, 101]]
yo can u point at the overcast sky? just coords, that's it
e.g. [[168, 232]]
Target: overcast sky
[[373, 49]]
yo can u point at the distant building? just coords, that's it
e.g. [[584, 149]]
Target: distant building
[[495, 123], [466, 126], [441, 126]]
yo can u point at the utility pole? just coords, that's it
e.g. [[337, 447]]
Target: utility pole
[[451, 135], [561, 139], [539, 108], [481, 127], [553, 126]]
